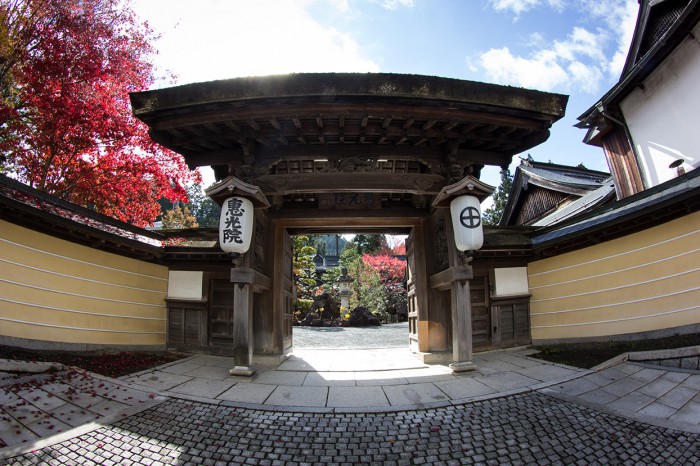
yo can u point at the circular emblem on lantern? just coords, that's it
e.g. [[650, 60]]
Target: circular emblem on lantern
[[470, 217], [466, 223]]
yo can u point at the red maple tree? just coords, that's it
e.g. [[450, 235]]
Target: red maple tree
[[390, 269], [67, 127]]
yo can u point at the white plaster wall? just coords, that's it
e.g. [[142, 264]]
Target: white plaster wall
[[511, 281], [663, 115], [185, 284]]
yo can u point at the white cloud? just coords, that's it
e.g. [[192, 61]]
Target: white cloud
[[541, 71], [579, 62], [620, 19], [244, 38], [574, 63], [520, 6], [394, 4]]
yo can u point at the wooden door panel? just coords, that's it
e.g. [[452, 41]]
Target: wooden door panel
[[481, 311], [221, 313], [288, 292]]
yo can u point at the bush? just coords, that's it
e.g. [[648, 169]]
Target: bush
[[362, 317], [302, 307]]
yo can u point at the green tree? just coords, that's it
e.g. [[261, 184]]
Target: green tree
[[369, 244], [367, 286], [303, 267], [205, 210], [493, 214]]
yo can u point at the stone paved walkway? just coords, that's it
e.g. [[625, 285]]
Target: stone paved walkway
[[378, 406], [352, 380], [522, 429]]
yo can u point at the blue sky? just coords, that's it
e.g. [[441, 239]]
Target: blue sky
[[573, 47]]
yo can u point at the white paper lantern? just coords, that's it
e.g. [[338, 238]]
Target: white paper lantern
[[236, 224], [466, 223]]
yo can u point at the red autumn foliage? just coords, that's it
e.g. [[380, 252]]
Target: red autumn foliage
[[399, 249], [66, 125], [390, 269]]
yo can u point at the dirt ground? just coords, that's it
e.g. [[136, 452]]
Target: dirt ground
[[110, 364], [588, 355]]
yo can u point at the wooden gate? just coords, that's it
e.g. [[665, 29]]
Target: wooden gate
[[412, 295], [481, 311], [288, 293]]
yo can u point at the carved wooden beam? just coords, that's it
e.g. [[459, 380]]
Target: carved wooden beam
[[414, 183]]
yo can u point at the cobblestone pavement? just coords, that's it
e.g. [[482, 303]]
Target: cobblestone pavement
[[523, 429]]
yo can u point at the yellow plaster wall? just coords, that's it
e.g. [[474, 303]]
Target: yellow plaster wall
[[57, 291], [642, 282]]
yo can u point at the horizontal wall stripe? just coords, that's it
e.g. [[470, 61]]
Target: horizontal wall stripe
[[42, 251], [75, 311], [80, 278], [642, 248], [67, 293], [616, 288], [627, 269], [622, 319], [622, 303], [41, 324]]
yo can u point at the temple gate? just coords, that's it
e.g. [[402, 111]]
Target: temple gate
[[348, 153]]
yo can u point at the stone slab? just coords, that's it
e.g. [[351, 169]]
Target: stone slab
[[632, 402], [464, 388], [623, 386], [209, 373], [677, 397], [418, 395], [356, 397], [287, 395], [547, 372], [689, 413], [647, 374], [575, 387], [330, 379], [504, 381], [606, 376], [280, 378], [598, 396], [692, 382], [203, 388], [160, 380], [380, 378], [74, 416], [658, 387], [657, 410], [247, 393]]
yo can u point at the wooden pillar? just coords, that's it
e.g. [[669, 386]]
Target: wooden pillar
[[462, 325], [456, 279], [246, 282], [242, 329]]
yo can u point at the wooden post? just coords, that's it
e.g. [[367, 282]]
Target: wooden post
[[242, 330], [456, 279], [461, 326]]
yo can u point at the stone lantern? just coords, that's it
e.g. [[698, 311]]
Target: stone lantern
[[345, 285]]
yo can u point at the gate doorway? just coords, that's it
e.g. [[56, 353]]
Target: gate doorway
[[367, 152], [347, 287]]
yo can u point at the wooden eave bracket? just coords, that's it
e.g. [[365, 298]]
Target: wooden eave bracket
[[232, 186], [469, 186]]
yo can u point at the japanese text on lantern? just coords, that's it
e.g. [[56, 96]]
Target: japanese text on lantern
[[232, 227]]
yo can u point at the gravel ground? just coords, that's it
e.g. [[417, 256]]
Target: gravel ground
[[384, 336]]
